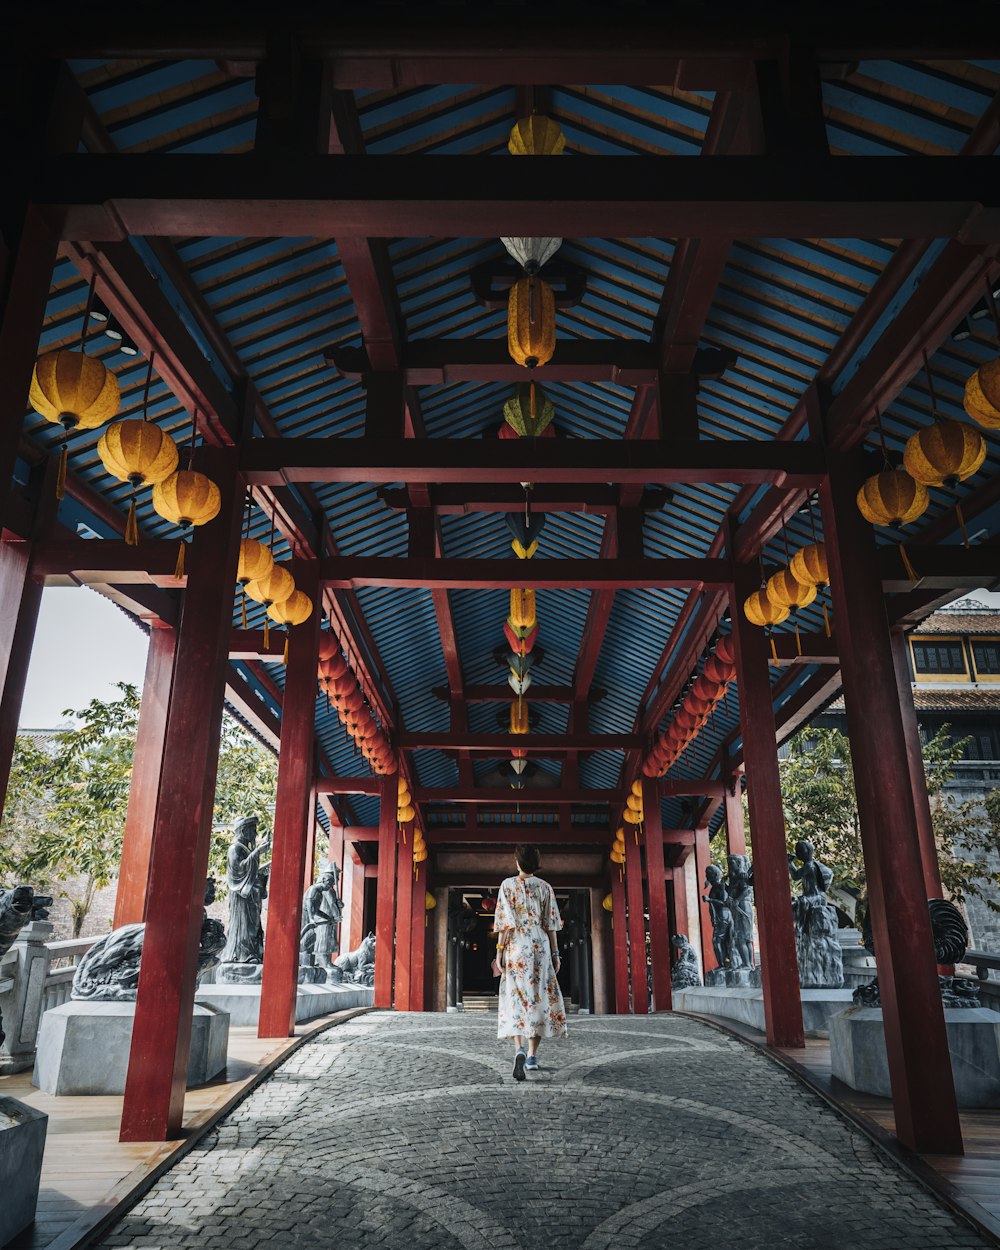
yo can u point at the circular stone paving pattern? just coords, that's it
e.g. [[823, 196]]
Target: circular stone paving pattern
[[407, 1131]]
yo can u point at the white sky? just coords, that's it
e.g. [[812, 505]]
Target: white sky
[[84, 644]]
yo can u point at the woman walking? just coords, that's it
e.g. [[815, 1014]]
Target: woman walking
[[525, 923]]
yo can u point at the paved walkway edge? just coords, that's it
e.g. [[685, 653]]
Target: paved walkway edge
[[969, 1210], [123, 1196]]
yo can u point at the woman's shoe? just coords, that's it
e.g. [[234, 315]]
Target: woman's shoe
[[519, 1058], [531, 1064]]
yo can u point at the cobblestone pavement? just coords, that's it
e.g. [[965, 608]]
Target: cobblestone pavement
[[407, 1131]]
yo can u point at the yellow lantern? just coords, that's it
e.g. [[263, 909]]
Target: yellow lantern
[[944, 453], [274, 587], [634, 803], [405, 814], [809, 566], [607, 902], [522, 609], [430, 902], [892, 498], [531, 322], [982, 395], [402, 788], [140, 453], [536, 136], [617, 857], [256, 561], [73, 390], [760, 610], [637, 789], [632, 817], [420, 856], [786, 592], [293, 610], [186, 498], [519, 718]]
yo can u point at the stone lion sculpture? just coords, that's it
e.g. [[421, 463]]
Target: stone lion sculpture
[[356, 967]]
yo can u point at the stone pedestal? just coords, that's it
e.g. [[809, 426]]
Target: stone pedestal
[[738, 978], [83, 1047], [22, 1140], [747, 1006], [25, 968], [239, 974], [242, 1002], [858, 1058]]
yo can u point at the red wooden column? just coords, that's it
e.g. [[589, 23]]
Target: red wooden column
[[147, 769], [292, 817], [659, 929], [678, 899], [20, 599], [161, 1037], [779, 965], [404, 920], [703, 857], [385, 905], [923, 1091], [915, 761], [620, 934], [636, 922], [419, 932], [736, 838], [354, 900]]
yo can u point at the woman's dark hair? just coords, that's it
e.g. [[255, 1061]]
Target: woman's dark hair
[[528, 857]]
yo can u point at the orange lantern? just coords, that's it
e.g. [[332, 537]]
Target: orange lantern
[[892, 498]]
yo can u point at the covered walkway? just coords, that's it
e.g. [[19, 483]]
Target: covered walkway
[[406, 1131]]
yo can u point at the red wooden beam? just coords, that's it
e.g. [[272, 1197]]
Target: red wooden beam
[[534, 743], [619, 928], [511, 835], [242, 698], [502, 694], [144, 787], [279, 193], [454, 500], [702, 858], [636, 924], [636, 462], [659, 929], [404, 922], [385, 904], [527, 798], [348, 785], [292, 816], [158, 1061], [916, 1040]]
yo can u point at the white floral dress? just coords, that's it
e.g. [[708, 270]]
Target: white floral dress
[[531, 1003]]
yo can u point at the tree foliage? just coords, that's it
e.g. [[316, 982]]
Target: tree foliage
[[817, 785], [64, 819]]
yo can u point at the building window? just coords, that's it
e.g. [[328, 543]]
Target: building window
[[986, 659], [941, 658]]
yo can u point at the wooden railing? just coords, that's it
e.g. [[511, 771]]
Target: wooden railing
[[63, 959]]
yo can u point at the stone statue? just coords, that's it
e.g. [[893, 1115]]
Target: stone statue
[[109, 972], [322, 910], [951, 939], [721, 916], [246, 877], [739, 888], [820, 956], [18, 907], [356, 967], [685, 971]]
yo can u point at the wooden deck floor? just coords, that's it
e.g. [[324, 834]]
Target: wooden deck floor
[[969, 1182], [87, 1172]]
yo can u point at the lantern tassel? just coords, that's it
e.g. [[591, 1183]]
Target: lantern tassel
[[911, 572], [961, 525], [267, 632], [826, 621], [61, 472], [774, 653], [284, 653], [131, 526], [798, 640], [179, 566], [243, 611]]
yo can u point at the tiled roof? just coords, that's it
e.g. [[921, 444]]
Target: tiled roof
[[959, 623], [968, 699]]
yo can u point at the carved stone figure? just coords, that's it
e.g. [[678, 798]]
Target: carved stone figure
[[739, 888], [951, 940], [685, 971], [109, 972], [356, 967], [721, 916], [322, 910], [18, 907], [246, 877], [820, 955]]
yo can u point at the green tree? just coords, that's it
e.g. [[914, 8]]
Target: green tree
[[817, 785], [64, 819]]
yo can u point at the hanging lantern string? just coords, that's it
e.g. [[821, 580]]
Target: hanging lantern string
[[63, 465], [881, 439], [132, 524], [930, 386], [815, 538]]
